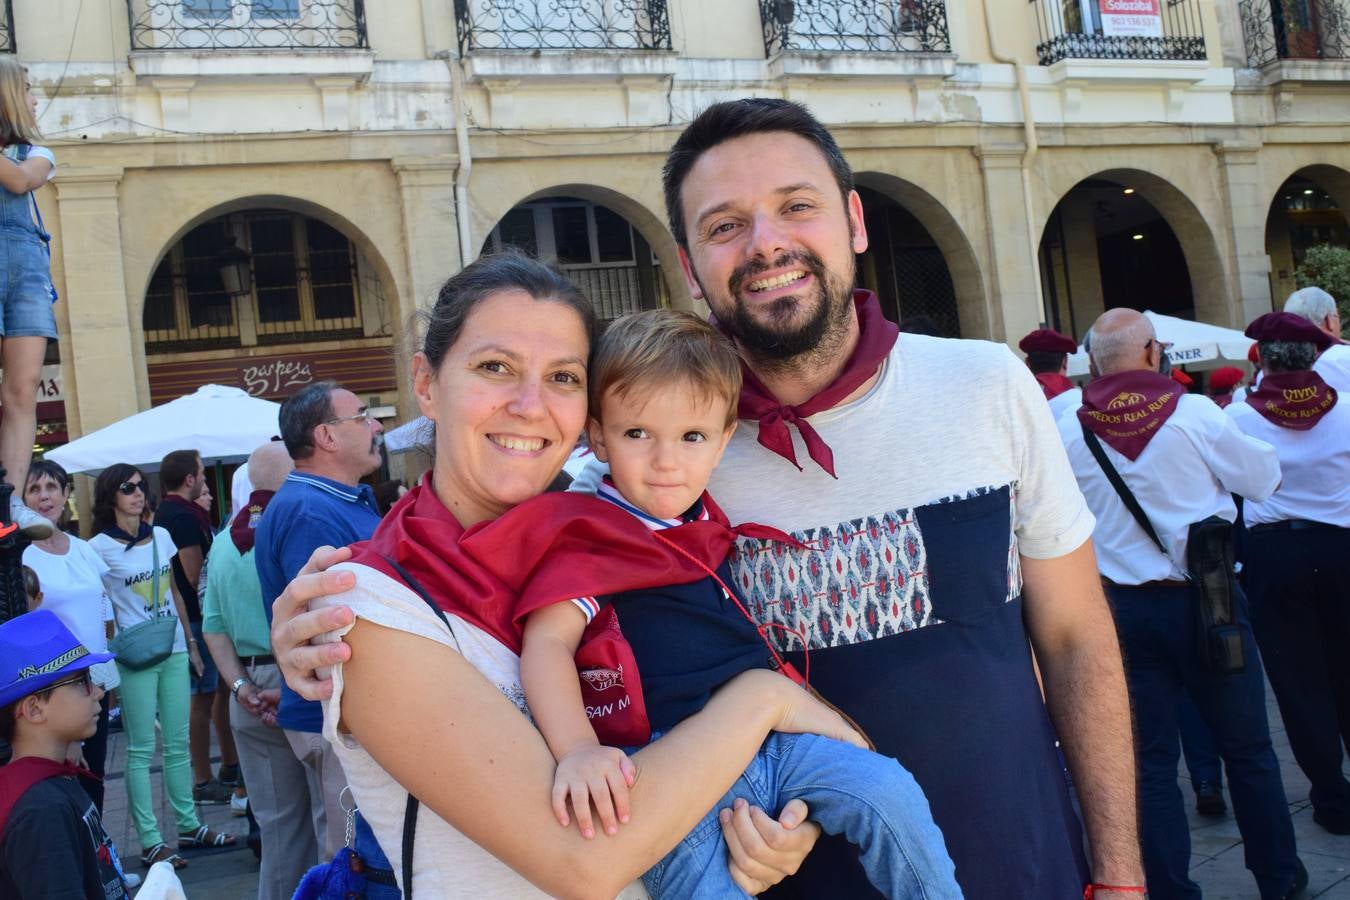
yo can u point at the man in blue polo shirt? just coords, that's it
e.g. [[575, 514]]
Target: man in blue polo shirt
[[334, 442]]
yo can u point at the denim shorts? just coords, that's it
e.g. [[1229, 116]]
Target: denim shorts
[[27, 307], [210, 676]]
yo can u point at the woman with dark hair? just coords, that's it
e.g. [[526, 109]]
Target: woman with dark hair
[[70, 573], [140, 585], [433, 705]]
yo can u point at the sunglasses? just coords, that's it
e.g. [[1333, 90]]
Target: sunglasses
[[127, 488], [83, 679]]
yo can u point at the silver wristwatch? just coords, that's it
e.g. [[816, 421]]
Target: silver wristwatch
[[238, 683]]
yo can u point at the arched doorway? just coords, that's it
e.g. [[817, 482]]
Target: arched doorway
[[1111, 242], [603, 252], [1307, 210], [905, 267]]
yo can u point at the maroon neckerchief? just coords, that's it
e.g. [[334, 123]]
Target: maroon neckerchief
[[21, 774], [548, 549], [876, 337], [202, 516], [244, 527], [1127, 409], [1222, 399], [1053, 384], [1296, 400]]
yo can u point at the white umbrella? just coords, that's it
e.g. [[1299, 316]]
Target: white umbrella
[[409, 436], [221, 423], [1193, 344]]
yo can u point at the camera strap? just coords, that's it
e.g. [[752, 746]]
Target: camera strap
[[1126, 495]]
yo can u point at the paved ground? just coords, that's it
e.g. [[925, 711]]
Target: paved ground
[[232, 874]]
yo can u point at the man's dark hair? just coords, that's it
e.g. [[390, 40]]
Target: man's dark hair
[[1039, 361], [176, 467], [301, 413], [726, 121], [1287, 356]]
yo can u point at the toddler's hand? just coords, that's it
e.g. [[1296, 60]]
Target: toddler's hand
[[594, 775], [807, 715]]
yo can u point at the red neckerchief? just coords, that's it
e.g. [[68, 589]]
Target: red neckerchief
[[1053, 384], [21, 774], [548, 549], [202, 516], [1222, 399], [876, 337], [1296, 400], [1127, 409], [242, 529]]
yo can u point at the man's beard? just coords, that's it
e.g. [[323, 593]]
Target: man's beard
[[772, 339]]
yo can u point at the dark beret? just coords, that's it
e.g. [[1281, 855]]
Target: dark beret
[[1047, 340]]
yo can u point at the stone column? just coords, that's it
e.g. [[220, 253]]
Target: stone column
[[1018, 306], [1247, 207], [102, 353]]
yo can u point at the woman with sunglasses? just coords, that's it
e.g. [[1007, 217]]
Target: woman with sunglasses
[[140, 583], [71, 575]]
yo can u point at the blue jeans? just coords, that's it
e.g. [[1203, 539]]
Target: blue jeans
[[1158, 640], [869, 798]]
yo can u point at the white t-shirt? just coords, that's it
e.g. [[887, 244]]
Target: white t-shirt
[[1187, 473], [130, 581], [72, 587], [1334, 367], [445, 862], [1315, 463]]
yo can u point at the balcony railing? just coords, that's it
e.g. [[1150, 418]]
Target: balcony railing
[[1295, 29], [248, 24], [562, 25], [1079, 29], [874, 26], [7, 44], [616, 291]]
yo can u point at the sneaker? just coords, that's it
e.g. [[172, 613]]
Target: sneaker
[[238, 805], [1209, 799], [230, 777], [31, 525], [211, 792], [1300, 889]]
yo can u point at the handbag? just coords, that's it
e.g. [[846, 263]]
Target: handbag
[[1209, 574], [610, 686], [146, 644]]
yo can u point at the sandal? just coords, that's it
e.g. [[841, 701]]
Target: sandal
[[204, 837], [161, 853]]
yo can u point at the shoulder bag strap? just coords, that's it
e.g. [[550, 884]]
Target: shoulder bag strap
[[410, 812], [1126, 496], [154, 577]]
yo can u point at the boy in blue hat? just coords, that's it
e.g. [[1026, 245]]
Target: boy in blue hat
[[52, 842]]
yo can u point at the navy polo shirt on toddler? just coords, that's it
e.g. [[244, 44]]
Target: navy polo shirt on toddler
[[308, 512], [688, 639]]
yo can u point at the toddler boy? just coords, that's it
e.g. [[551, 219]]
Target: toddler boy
[[663, 393], [52, 842]]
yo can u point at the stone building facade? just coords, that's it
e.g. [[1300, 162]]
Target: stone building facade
[[1020, 162]]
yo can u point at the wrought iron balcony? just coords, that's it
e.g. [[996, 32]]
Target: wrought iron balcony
[[248, 24], [562, 25], [875, 26], [7, 29], [1073, 29], [1295, 29]]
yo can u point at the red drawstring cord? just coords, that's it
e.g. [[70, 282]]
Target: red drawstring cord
[[781, 664]]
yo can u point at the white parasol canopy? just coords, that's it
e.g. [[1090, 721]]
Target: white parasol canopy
[[409, 436], [1194, 344], [221, 423]]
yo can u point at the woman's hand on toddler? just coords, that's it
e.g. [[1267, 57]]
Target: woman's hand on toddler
[[594, 775]]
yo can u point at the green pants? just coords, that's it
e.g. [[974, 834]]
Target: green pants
[[162, 690]]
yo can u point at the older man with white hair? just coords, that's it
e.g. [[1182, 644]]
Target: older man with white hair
[[1319, 308]]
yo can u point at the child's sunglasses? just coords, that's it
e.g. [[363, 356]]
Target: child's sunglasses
[[83, 679]]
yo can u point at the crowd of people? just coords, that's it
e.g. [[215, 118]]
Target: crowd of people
[[1011, 599]]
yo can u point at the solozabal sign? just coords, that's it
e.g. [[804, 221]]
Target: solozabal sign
[[1131, 18]]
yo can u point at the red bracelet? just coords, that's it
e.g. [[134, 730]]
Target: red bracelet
[[1091, 889]]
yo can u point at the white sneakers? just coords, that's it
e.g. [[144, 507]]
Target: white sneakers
[[31, 525], [238, 805]]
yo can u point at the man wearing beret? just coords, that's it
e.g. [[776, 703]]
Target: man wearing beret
[[1048, 359], [1298, 553], [1222, 381], [1180, 459], [1319, 308]]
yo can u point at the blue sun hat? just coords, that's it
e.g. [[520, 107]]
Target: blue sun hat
[[36, 650]]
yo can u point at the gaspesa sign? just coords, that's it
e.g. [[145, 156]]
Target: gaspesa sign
[[1131, 18]]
